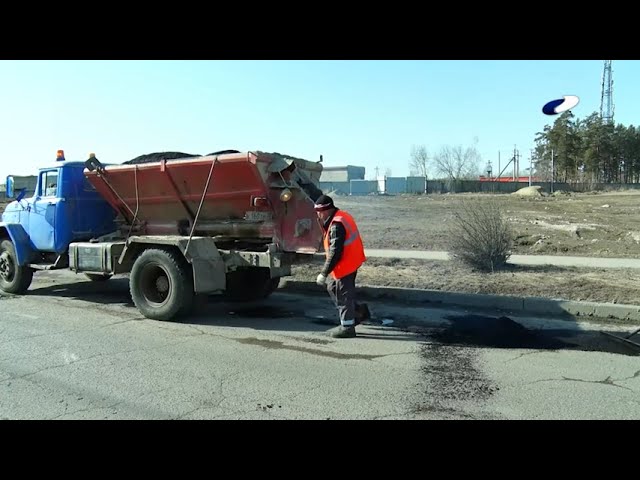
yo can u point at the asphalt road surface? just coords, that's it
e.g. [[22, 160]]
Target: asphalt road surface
[[73, 349]]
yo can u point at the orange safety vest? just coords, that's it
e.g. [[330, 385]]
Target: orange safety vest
[[353, 251]]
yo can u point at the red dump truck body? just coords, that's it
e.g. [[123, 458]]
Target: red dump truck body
[[243, 200]]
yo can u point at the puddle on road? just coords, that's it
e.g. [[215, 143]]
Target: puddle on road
[[273, 344], [502, 332], [492, 332]]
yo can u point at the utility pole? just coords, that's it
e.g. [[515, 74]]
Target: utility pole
[[530, 165], [499, 171]]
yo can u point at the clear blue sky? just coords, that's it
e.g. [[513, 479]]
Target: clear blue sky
[[366, 113]]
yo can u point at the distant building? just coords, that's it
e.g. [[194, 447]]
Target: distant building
[[342, 174], [338, 179]]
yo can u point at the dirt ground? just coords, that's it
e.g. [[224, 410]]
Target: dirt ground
[[591, 225]]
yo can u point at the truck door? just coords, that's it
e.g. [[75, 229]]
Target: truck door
[[42, 217]]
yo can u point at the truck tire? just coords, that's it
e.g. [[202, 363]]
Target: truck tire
[[161, 284], [13, 277], [97, 277], [249, 284]]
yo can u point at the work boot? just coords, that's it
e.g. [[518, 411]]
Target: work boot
[[344, 332], [362, 313]]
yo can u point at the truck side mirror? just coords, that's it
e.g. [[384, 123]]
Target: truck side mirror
[[10, 193], [9, 187]]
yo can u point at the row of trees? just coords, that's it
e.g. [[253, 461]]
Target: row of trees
[[588, 151], [584, 150]]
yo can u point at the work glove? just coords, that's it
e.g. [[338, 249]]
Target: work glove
[[321, 280]]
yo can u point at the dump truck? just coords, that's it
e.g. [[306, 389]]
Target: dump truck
[[230, 223]]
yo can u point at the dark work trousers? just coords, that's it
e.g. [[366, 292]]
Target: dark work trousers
[[343, 293]]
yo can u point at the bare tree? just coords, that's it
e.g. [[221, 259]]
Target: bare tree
[[457, 163], [387, 172], [419, 161]]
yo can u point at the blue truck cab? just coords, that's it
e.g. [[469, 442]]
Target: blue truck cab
[[35, 233]]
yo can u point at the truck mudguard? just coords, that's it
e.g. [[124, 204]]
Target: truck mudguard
[[20, 239]]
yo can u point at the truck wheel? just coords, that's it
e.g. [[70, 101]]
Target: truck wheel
[[245, 285], [13, 277], [272, 286], [161, 284], [97, 277]]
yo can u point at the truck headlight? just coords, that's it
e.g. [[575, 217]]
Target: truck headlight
[[286, 195]]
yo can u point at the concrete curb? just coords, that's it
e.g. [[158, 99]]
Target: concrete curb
[[529, 305]]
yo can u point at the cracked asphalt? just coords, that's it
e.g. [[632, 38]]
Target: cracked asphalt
[[72, 349]]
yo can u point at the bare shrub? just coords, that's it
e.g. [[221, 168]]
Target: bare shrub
[[480, 236]]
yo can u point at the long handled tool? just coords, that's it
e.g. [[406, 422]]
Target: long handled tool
[[624, 339]]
